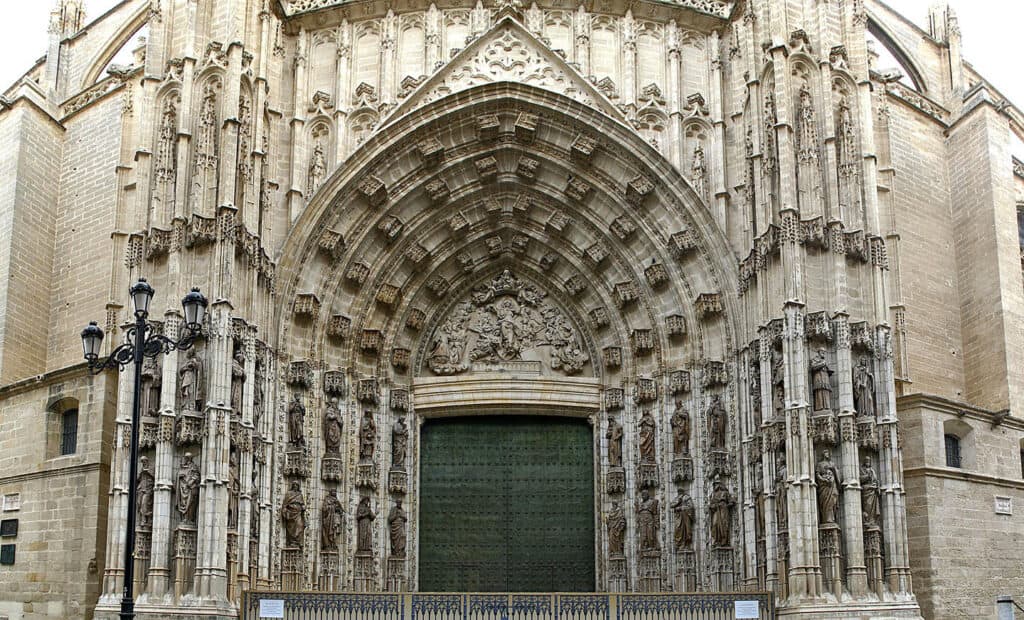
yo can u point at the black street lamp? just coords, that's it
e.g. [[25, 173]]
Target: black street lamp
[[141, 342]]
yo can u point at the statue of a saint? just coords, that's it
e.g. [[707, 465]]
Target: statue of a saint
[[257, 395], [778, 385], [680, 430], [821, 382], [781, 492], [332, 521], [716, 423], [616, 531], [317, 169], [647, 437], [151, 382], [190, 381], [399, 443], [297, 421], [364, 528], [720, 505], [685, 517], [187, 489], [614, 436], [144, 495], [396, 527], [293, 514], [367, 437], [647, 522], [237, 382], [827, 477], [863, 389], [234, 488], [333, 426], [869, 495]]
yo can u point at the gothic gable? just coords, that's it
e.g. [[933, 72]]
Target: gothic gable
[[508, 52]]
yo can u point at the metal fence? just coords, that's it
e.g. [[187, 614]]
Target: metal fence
[[494, 606]]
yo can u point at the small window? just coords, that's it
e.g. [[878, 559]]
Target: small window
[[952, 451], [1022, 462], [69, 432], [1020, 226]]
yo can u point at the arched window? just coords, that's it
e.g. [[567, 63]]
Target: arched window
[[62, 428], [952, 451]]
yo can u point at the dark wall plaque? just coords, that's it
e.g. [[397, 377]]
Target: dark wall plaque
[[6, 555], [9, 528], [507, 505]]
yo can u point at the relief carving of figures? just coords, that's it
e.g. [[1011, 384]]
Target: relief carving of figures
[[333, 426], [317, 169], [781, 492], [647, 522], [680, 430], [716, 423], [296, 421], [293, 515], [778, 385], [187, 489], [647, 437], [399, 443], [190, 382], [505, 320], [332, 522], [685, 517], [367, 437], [827, 477], [863, 389], [616, 531], [364, 528], [869, 495], [614, 436], [234, 488], [396, 527], [821, 382], [237, 382], [720, 506], [144, 495]]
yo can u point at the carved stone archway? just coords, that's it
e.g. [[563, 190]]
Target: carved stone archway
[[499, 182]]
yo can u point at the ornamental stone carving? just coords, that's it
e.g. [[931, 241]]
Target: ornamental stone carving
[[144, 494], [685, 517], [616, 531], [720, 507], [506, 321], [863, 389], [614, 436], [190, 382], [332, 522], [186, 489], [827, 477], [293, 515]]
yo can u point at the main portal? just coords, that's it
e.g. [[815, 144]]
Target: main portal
[[507, 505]]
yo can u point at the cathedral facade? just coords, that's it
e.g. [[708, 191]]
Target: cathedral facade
[[655, 296]]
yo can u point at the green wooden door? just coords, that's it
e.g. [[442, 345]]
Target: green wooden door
[[506, 505]]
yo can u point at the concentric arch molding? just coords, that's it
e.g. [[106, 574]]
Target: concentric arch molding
[[441, 396], [721, 9]]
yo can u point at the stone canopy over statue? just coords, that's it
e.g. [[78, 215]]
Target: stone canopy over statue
[[504, 321]]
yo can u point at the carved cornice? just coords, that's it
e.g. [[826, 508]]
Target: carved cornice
[[721, 9]]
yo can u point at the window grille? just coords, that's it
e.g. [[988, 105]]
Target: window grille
[[69, 432], [952, 451]]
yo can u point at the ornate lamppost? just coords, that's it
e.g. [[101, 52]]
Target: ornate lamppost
[[141, 342]]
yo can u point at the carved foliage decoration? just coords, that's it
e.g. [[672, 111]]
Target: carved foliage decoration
[[506, 320]]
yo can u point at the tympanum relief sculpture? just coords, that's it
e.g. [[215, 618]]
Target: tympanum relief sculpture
[[506, 321]]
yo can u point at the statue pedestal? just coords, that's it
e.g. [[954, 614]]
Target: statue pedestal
[[873, 558], [190, 429], [719, 464], [616, 480], [686, 571], [824, 427], [618, 580], [782, 561], [396, 575], [292, 566], [330, 572], [366, 475], [398, 481], [184, 558], [867, 436], [650, 571], [647, 478], [682, 469], [831, 569], [296, 462], [143, 541], [233, 591], [331, 468], [722, 571], [364, 573]]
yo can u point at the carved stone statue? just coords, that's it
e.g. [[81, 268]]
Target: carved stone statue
[[616, 531], [317, 169], [364, 528], [685, 517], [827, 477], [293, 515], [614, 436], [237, 382], [151, 382], [720, 506], [399, 443], [297, 421], [144, 495], [755, 391], [781, 493], [187, 489], [821, 382], [716, 423], [234, 488], [190, 382], [869, 495], [257, 396], [863, 389], [778, 385], [332, 522], [367, 437], [396, 528], [647, 437], [647, 522], [333, 426], [680, 430]]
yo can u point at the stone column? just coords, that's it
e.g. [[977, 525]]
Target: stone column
[[674, 99], [856, 571], [769, 471], [244, 445]]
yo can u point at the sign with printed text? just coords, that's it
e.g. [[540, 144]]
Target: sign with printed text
[[271, 608], [1004, 505], [747, 609]]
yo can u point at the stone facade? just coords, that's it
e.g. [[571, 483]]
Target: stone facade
[[773, 275]]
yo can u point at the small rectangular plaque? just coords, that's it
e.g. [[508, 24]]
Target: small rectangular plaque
[[12, 502], [1004, 505], [6, 555], [747, 609], [271, 608], [9, 528]]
